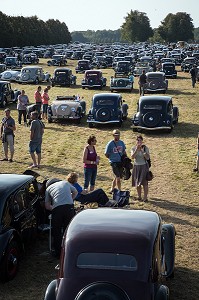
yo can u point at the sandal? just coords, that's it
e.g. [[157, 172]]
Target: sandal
[[4, 159], [32, 166]]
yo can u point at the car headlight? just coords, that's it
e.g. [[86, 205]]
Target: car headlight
[[73, 109]]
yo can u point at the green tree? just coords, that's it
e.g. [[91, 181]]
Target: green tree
[[136, 27], [177, 27]]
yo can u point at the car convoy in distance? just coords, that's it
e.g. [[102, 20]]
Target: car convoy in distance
[[112, 253]]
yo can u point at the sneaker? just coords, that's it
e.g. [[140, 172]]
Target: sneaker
[[10, 160], [195, 169]]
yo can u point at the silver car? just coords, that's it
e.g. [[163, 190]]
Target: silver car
[[32, 74]]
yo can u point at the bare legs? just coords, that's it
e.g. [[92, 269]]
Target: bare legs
[[34, 158], [145, 189], [116, 183]]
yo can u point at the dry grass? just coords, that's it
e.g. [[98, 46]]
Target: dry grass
[[173, 192]]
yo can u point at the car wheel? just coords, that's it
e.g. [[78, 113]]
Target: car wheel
[[151, 119], [83, 105], [91, 125], [103, 114], [135, 130], [49, 120], [36, 81], [10, 262], [125, 111], [3, 102], [102, 290], [162, 293]]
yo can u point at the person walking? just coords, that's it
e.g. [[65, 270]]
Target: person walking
[[140, 154], [114, 151], [36, 134], [7, 135], [83, 196], [193, 72], [141, 82], [45, 100], [90, 160], [38, 100], [59, 198], [22, 103]]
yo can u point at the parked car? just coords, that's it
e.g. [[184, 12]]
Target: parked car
[[2, 68], [83, 65], [155, 113], [188, 63], [93, 79], [29, 59], [7, 95], [10, 75], [140, 66], [11, 62], [122, 68], [169, 69], [32, 74], [57, 60], [115, 254], [20, 201], [124, 83], [65, 108], [63, 77], [156, 82], [107, 108]]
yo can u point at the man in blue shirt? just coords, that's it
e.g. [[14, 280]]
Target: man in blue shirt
[[114, 151]]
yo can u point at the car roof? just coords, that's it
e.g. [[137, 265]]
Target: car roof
[[9, 183], [62, 69], [106, 230], [155, 98], [155, 73], [106, 95]]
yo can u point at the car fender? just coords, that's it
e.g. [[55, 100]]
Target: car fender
[[51, 291], [168, 234], [5, 239]]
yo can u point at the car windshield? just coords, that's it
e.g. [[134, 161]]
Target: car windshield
[[90, 75], [107, 261], [104, 102], [61, 73], [152, 106]]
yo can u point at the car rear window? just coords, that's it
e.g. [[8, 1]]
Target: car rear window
[[107, 261], [153, 106], [104, 102]]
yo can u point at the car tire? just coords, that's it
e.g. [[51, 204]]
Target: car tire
[[36, 81], [103, 114], [162, 293], [83, 105], [91, 125], [124, 111], [50, 292], [151, 119], [49, 120], [135, 130], [3, 102], [10, 263], [102, 290]]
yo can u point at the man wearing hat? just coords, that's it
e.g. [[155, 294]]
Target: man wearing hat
[[59, 198], [7, 135], [114, 151]]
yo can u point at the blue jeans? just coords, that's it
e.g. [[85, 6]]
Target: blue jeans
[[89, 177]]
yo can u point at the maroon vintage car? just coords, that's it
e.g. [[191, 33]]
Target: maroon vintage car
[[115, 254], [93, 79]]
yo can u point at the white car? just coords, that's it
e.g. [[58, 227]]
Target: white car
[[10, 75], [32, 74]]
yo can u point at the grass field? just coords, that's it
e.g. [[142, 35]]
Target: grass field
[[173, 193]]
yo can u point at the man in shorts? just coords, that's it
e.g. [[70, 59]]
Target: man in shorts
[[36, 133], [114, 151]]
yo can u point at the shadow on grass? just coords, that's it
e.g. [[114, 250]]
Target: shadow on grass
[[180, 92], [186, 278]]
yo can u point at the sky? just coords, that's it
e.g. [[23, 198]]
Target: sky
[[82, 15]]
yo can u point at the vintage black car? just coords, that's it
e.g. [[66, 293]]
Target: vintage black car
[[19, 205], [83, 65], [155, 113], [66, 108], [169, 69], [63, 77], [107, 108], [115, 254], [122, 68], [93, 79], [57, 60], [188, 63], [7, 95], [12, 62], [122, 83], [155, 82]]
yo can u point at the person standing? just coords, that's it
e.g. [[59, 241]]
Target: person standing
[[114, 151], [22, 103], [197, 160], [90, 160], [45, 100], [36, 134], [140, 154], [141, 82], [7, 135], [38, 100], [59, 198], [193, 73]]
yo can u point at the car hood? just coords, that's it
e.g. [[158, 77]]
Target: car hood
[[66, 102]]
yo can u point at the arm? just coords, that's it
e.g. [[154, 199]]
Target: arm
[[48, 204], [74, 192]]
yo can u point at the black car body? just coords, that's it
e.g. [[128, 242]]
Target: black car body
[[93, 79], [57, 60], [156, 82], [188, 63], [63, 77], [169, 69], [83, 65], [115, 254], [11, 62], [19, 196], [122, 68], [7, 95], [107, 108], [122, 83], [155, 113]]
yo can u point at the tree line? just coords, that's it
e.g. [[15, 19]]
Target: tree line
[[28, 31]]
